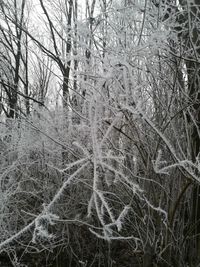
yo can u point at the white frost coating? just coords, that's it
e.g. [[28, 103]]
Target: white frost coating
[[138, 111], [98, 200], [158, 163], [17, 235], [85, 151], [171, 149], [48, 208], [90, 206], [191, 168], [69, 166], [110, 128], [41, 225], [65, 184], [121, 218], [135, 187], [106, 205], [158, 209], [98, 209], [96, 158], [187, 165], [110, 238]]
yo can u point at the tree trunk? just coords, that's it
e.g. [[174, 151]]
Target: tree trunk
[[193, 75]]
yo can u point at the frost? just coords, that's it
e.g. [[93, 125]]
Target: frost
[[158, 209], [90, 206], [158, 165], [42, 223], [119, 222]]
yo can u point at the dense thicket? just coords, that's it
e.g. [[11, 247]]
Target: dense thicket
[[99, 135]]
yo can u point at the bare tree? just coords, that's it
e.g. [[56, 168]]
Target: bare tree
[[12, 43], [127, 170]]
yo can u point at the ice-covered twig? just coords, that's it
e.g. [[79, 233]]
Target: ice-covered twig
[[113, 237], [121, 218], [158, 209]]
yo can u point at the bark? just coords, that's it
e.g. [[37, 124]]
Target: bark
[[68, 51], [189, 36]]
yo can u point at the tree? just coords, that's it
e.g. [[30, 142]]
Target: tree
[[129, 177], [11, 42]]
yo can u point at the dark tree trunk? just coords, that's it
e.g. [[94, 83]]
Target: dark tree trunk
[[193, 74]]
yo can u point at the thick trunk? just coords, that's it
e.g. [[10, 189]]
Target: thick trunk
[[66, 88]]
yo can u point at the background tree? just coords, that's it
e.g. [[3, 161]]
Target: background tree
[[11, 42]]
